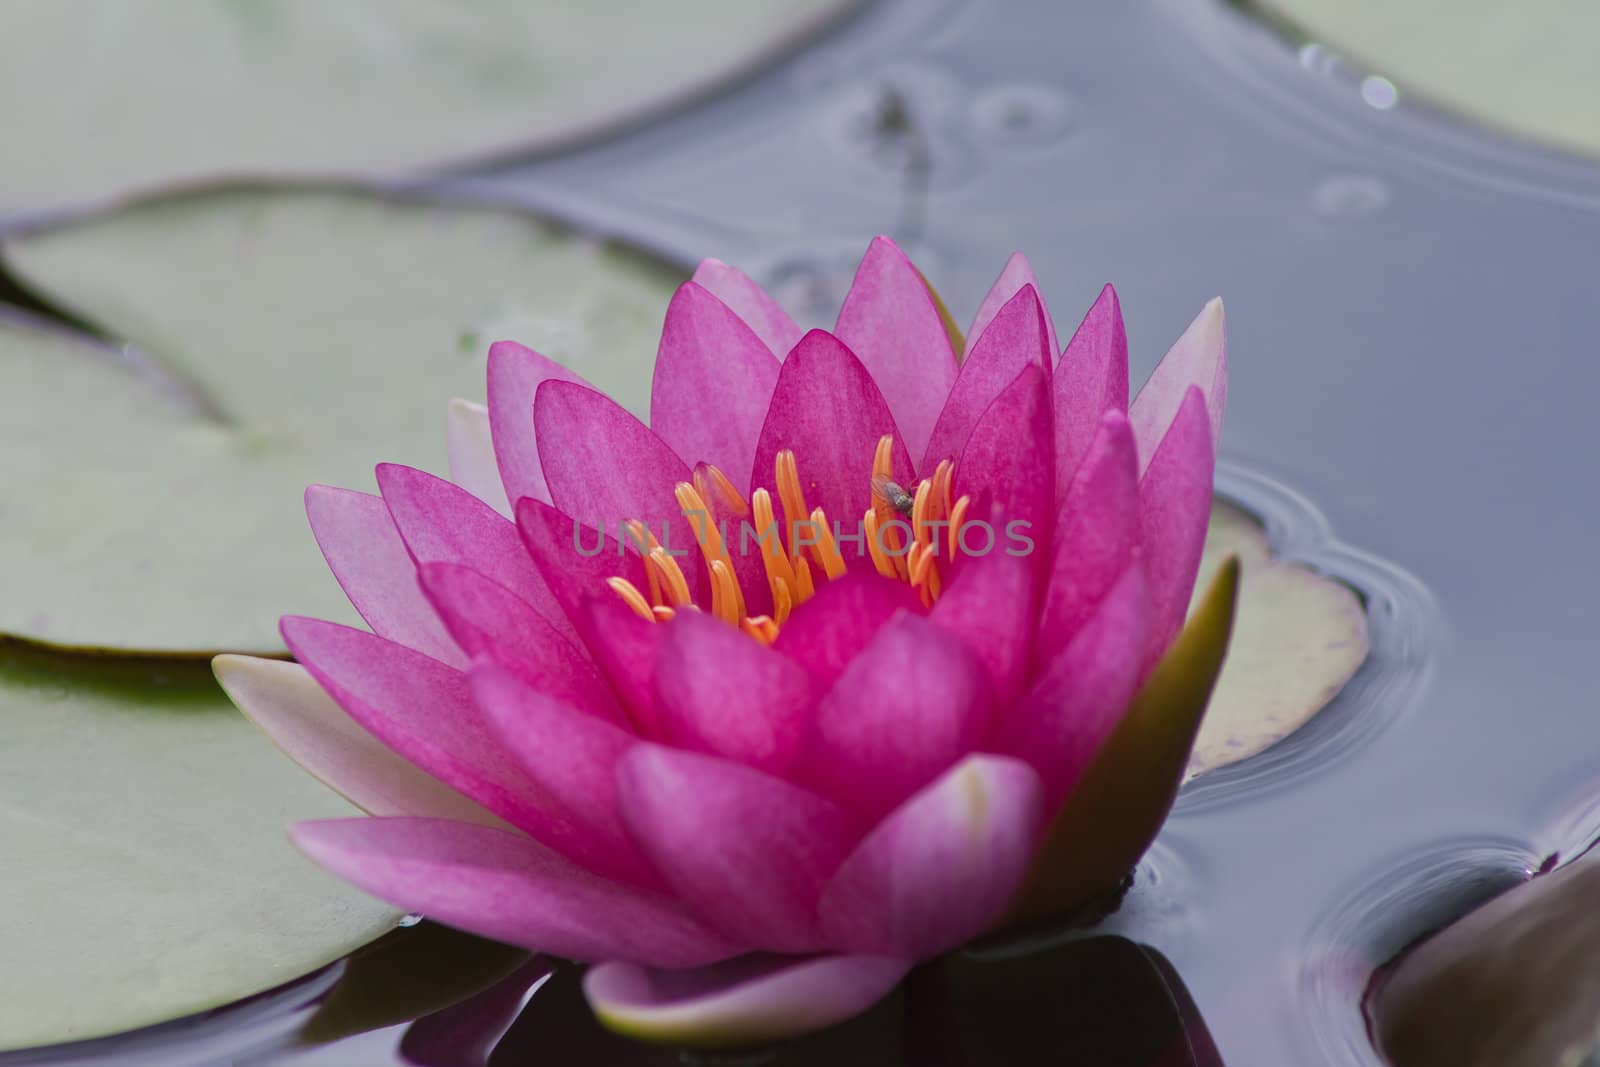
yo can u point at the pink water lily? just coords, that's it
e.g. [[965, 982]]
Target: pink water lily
[[755, 779]]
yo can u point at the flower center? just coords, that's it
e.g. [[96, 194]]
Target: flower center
[[905, 531]]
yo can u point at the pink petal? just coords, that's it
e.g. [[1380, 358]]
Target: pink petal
[[292, 709], [627, 648], [606, 467], [903, 712], [574, 560], [1016, 275], [1082, 690], [1017, 339], [423, 711], [748, 851], [828, 411], [1090, 380], [515, 374], [571, 756], [472, 460], [751, 303], [1198, 359], [507, 887], [1174, 508], [889, 319], [367, 556], [713, 380], [990, 607], [1095, 536], [1006, 457], [491, 622], [722, 693], [443, 523], [943, 867], [742, 1003], [831, 629]]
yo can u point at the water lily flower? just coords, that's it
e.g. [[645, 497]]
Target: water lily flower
[[869, 642]]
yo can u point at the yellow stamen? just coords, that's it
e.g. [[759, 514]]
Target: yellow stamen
[[718, 490], [644, 540], [885, 565], [782, 601], [663, 613], [727, 603], [632, 597], [826, 550], [804, 590], [762, 628], [712, 547], [921, 515], [793, 497], [958, 515], [675, 585]]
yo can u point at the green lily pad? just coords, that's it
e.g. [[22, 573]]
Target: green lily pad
[[1298, 637], [107, 98], [147, 872], [1525, 68], [285, 338]]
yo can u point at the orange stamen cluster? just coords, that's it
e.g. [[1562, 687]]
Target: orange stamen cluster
[[809, 554]]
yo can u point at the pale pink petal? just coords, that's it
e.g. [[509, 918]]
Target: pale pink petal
[[713, 380], [748, 851], [827, 410], [490, 621], [1016, 275], [1090, 380], [890, 321], [990, 606], [292, 709], [751, 303], [1096, 535], [903, 712], [443, 523], [364, 550], [1082, 690], [424, 712], [743, 1003], [570, 755], [831, 629], [507, 887], [606, 468], [515, 374], [574, 560], [943, 867], [722, 693], [1174, 508], [1017, 339], [1008, 457], [472, 461], [1199, 360]]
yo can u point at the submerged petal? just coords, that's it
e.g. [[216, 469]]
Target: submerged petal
[[751, 303], [515, 374], [942, 868], [1197, 360], [891, 321], [471, 449], [1090, 380], [744, 1002], [508, 887]]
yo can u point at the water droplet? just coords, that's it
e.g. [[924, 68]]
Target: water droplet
[[1022, 116], [1379, 92], [1350, 196]]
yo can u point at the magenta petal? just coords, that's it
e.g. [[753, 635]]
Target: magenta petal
[[831, 629], [990, 606], [606, 467], [748, 851], [828, 411], [1016, 275], [1017, 339], [367, 556], [491, 622], [713, 380], [741, 1003], [751, 303], [423, 711], [902, 713], [890, 321], [571, 756], [1090, 380], [515, 374], [507, 887], [1082, 691], [722, 693], [1095, 536], [627, 647], [1197, 360], [943, 867], [1174, 508], [1006, 456], [443, 523], [574, 560]]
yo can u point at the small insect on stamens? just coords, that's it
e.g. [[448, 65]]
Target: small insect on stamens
[[892, 492]]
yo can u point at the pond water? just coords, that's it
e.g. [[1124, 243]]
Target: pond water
[[1412, 321]]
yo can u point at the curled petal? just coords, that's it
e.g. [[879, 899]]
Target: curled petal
[[508, 887], [472, 461], [942, 868], [751, 303], [743, 1002]]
